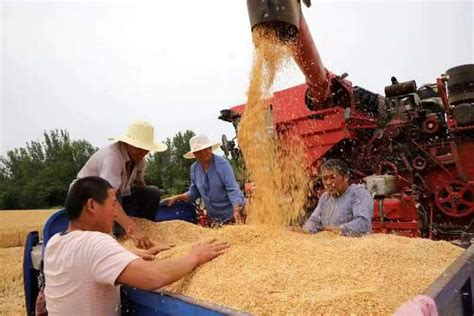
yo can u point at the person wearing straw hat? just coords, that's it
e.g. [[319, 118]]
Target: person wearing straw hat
[[122, 164], [213, 180]]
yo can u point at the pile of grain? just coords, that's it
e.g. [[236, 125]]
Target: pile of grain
[[270, 270], [12, 300], [17, 224], [275, 163]]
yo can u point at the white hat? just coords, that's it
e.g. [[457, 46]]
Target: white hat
[[141, 134], [198, 143]]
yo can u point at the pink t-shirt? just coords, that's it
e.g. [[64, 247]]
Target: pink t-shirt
[[81, 269]]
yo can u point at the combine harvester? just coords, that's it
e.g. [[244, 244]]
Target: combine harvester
[[414, 145]]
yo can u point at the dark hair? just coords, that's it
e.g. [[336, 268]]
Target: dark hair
[[336, 164], [82, 190]]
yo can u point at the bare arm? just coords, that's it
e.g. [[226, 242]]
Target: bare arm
[[126, 222], [132, 230], [152, 275]]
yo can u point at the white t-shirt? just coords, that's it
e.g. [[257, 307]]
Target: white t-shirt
[[109, 163], [81, 268]]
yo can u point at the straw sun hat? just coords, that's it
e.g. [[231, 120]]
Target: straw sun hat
[[141, 134], [198, 143]]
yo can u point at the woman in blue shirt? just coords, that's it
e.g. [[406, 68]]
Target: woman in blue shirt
[[213, 180]]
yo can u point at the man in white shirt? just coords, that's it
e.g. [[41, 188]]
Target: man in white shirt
[[122, 164], [84, 265]]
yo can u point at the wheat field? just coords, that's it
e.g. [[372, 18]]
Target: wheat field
[[12, 301], [14, 227]]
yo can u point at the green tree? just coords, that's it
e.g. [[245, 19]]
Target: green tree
[[39, 175], [169, 170], [239, 170]]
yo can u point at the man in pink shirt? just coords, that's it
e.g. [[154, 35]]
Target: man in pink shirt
[[84, 264]]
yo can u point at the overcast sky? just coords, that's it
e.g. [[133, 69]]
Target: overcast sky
[[92, 67]]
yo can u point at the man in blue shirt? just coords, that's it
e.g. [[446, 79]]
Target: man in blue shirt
[[343, 208], [213, 180]]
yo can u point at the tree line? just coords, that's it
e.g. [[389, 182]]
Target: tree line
[[38, 176]]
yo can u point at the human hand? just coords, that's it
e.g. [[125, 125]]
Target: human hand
[[206, 251], [237, 215], [332, 229], [149, 254], [144, 254], [170, 200], [141, 240], [297, 229], [159, 248]]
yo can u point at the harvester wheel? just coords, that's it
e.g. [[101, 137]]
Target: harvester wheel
[[455, 199]]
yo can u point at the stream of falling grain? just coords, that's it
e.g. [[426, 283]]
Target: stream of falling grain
[[275, 162]]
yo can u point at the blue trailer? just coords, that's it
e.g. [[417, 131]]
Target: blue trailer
[[452, 291]]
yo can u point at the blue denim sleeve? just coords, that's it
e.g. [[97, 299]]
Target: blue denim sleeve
[[193, 191], [234, 193], [313, 224], [362, 208]]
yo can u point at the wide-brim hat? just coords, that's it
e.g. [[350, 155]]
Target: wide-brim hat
[[200, 142], [141, 134]]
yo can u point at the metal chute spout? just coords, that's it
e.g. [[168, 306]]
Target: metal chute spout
[[286, 18], [283, 16]]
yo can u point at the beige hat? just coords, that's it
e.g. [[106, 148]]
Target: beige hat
[[198, 143], [141, 134]]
